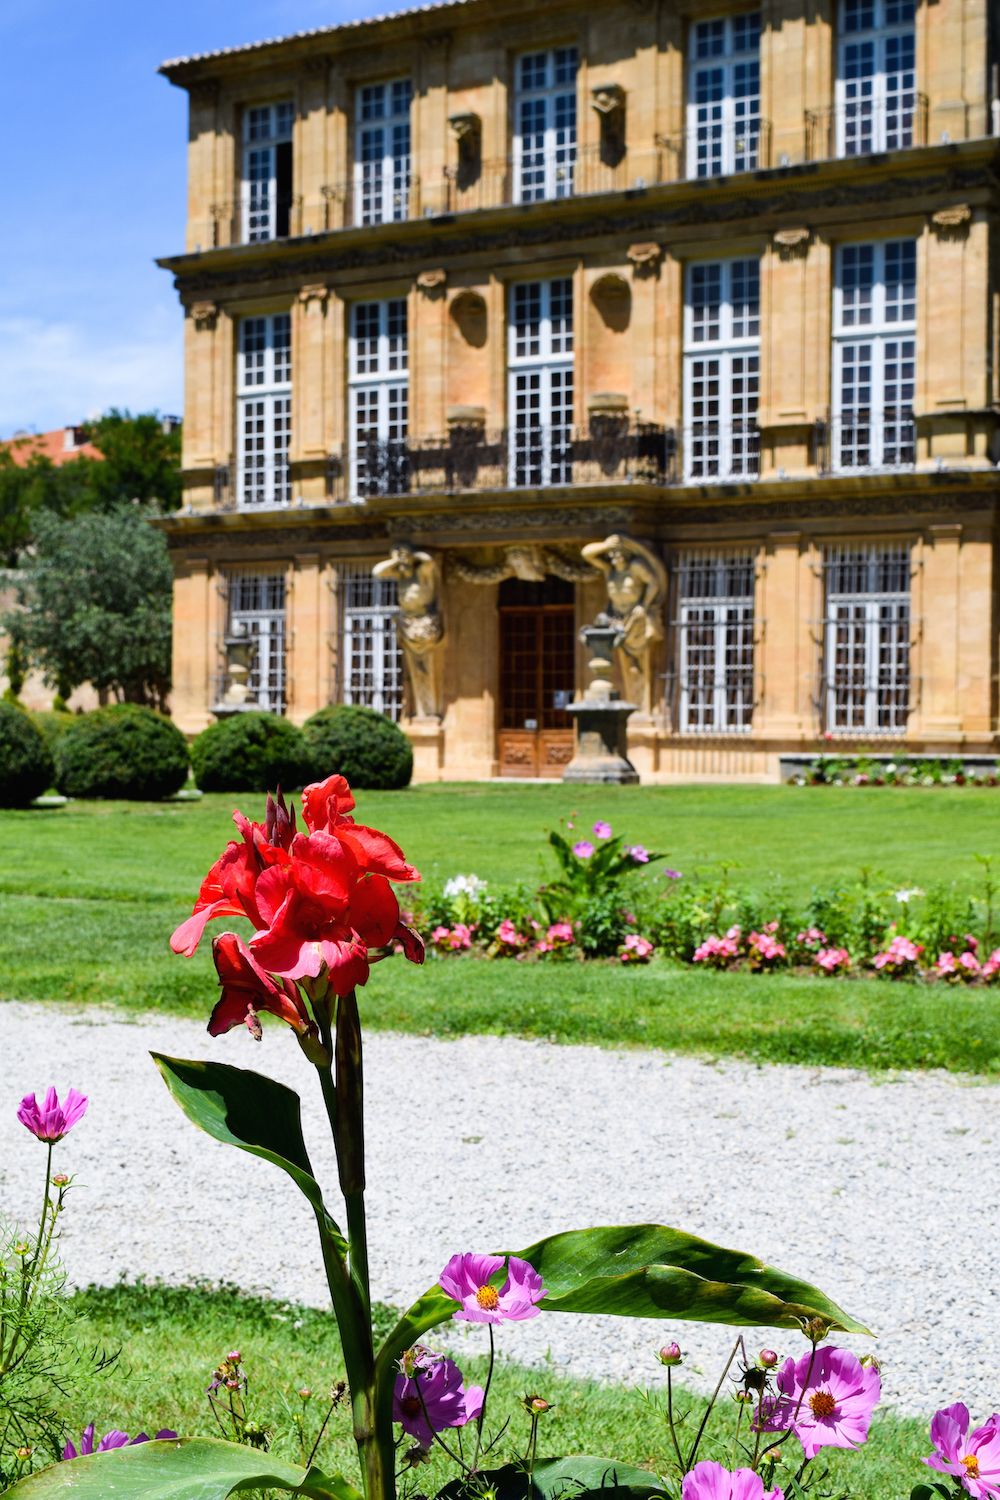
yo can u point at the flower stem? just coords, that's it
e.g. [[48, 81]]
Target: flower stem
[[486, 1394], [670, 1419], [708, 1408]]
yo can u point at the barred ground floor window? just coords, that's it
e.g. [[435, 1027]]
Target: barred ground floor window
[[866, 670], [371, 661], [257, 603], [715, 641]]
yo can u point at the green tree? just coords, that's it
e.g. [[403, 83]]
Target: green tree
[[95, 597], [141, 460]]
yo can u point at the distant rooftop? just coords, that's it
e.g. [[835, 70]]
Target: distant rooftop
[[59, 446], [176, 64]]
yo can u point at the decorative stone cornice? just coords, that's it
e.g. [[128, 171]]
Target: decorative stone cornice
[[952, 222], [314, 291], [645, 257], [793, 243], [607, 98], [204, 315], [432, 283]]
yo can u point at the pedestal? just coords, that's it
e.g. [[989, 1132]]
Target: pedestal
[[600, 744], [426, 735]]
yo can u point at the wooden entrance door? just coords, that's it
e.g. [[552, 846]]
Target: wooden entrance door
[[537, 671]]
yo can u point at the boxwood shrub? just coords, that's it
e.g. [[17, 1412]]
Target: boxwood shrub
[[124, 750], [250, 752], [26, 768], [366, 747]]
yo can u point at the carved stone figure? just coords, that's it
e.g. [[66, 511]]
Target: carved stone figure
[[637, 589], [421, 628], [529, 561]]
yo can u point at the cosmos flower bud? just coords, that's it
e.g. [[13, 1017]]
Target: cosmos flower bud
[[60, 1180], [23, 1454], [536, 1406], [670, 1354], [767, 1358], [304, 1392]]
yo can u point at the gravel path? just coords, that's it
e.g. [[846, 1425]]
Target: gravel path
[[884, 1192]]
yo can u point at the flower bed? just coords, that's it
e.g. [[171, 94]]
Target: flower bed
[[866, 769]]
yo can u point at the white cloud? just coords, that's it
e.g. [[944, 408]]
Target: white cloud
[[54, 371]]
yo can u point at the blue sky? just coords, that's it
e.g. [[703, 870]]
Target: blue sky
[[87, 320]]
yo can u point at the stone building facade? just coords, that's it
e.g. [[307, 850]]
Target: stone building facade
[[500, 314]]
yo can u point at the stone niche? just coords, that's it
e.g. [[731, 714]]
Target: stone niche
[[468, 355], [609, 317]]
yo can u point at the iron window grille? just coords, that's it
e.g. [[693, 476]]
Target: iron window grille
[[874, 355], [266, 199], [866, 639], [876, 90], [379, 398], [382, 165], [723, 111], [540, 382], [256, 601], [545, 137], [371, 660], [722, 370], [715, 641], [264, 410]]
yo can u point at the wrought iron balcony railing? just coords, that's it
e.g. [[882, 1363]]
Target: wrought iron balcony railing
[[717, 149], [720, 452], [862, 441], [864, 127], [255, 216]]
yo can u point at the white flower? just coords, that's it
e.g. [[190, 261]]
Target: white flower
[[464, 885], [907, 894]]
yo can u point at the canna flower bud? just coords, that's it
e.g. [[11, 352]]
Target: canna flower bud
[[670, 1354], [767, 1358]]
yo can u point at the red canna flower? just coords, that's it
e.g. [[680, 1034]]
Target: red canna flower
[[325, 806], [228, 890], [247, 990]]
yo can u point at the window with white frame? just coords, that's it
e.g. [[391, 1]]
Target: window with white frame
[[723, 111], [874, 355], [379, 398], [264, 410], [257, 608], [867, 639], [715, 642], [722, 369], [540, 382], [545, 124], [267, 171], [371, 660], [382, 152], [876, 76]]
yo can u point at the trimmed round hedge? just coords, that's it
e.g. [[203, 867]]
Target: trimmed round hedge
[[250, 752], [26, 768], [124, 751], [366, 747]]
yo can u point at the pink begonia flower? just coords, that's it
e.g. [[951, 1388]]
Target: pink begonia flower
[[50, 1120], [508, 934], [813, 937], [467, 1279], [710, 1481], [635, 949], [992, 965], [602, 830], [826, 1398], [973, 1458], [113, 1439], [638, 854], [583, 849], [433, 1396], [832, 960], [970, 964]]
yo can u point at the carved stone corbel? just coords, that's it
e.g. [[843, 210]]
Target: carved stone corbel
[[645, 258], [607, 98], [204, 315], [315, 291], [432, 283], [953, 222], [792, 243]]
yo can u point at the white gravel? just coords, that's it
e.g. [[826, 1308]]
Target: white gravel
[[884, 1192]]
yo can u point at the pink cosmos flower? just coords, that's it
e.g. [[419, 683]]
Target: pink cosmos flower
[[50, 1120], [973, 1458], [113, 1439], [466, 1277], [672, 875], [826, 1398], [710, 1481], [583, 849], [430, 1395], [638, 854], [602, 830]]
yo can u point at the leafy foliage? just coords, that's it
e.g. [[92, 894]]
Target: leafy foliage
[[96, 597], [26, 767], [121, 751], [366, 747], [250, 752]]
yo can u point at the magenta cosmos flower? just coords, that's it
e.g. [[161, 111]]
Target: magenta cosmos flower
[[973, 1458], [602, 830], [113, 1439], [827, 1399], [710, 1481], [430, 1395], [50, 1120], [467, 1278], [583, 849]]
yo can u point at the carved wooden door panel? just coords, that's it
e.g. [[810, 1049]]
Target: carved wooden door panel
[[537, 669]]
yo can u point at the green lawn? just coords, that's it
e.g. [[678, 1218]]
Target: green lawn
[[90, 893], [173, 1338]]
